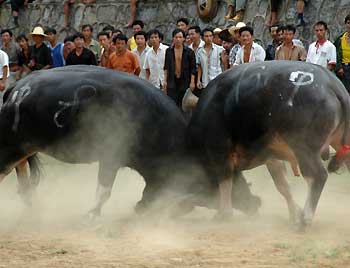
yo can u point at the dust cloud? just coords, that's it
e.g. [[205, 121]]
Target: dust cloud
[[55, 232]]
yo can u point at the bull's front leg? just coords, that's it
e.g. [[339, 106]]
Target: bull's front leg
[[225, 191], [25, 187]]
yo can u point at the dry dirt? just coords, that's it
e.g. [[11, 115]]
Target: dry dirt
[[55, 232]]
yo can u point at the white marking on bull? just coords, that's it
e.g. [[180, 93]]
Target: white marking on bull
[[299, 78], [17, 98]]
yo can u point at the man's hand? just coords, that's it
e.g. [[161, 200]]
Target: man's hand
[[164, 86], [2, 85], [199, 84]]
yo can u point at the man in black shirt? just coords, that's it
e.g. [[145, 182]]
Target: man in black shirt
[[40, 54], [80, 55]]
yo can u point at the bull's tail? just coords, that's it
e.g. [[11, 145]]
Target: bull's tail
[[35, 171], [344, 152]]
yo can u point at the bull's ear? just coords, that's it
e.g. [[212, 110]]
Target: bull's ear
[[69, 109]]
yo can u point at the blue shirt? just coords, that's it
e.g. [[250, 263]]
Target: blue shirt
[[57, 55]]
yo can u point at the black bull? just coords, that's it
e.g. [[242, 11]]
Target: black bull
[[85, 114], [258, 113]]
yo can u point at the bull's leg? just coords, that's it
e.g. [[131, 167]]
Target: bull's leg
[[106, 178], [316, 176], [276, 169], [225, 191], [25, 187]]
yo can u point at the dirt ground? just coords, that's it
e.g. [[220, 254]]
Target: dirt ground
[[56, 233]]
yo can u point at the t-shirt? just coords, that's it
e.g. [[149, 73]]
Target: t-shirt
[[322, 53], [125, 62], [132, 43], [4, 61], [345, 46], [12, 52], [57, 55], [87, 57], [40, 57]]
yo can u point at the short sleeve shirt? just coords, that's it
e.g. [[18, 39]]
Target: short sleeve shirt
[[87, 57], [257, 53], [322, 53], [4, 61], [126, 62], [41, 56], [12, 52]]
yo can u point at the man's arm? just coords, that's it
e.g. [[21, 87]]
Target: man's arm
[[4, 78]]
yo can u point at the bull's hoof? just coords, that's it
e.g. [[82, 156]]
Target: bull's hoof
[[223, 216], [297, 221]]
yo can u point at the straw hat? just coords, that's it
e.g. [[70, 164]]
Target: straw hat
[[217, 30], [238, 26], [38, 31]]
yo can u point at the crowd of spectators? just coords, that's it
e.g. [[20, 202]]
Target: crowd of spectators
[[190, 60]]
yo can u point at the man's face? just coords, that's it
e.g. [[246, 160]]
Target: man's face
[[178, 39], [273, 33], [193, 35], [280, 36], [104, 41], [78, 42], [208, 38], [51, 37], [288, 36], [237, 36], [217, 40], [23, 43], [38, 39], [246, 38], [69, 45], [140, 40], [136, 28], [6, 38], [87, 33], [227, 45], [120, 46], [154, 40], [347, 26], [183, 26], [320, 32]]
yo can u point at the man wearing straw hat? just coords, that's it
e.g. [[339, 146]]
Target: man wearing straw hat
[[40, 56]]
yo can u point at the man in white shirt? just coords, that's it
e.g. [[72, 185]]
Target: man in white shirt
[[4, 73], [141, 50], [322, 52], [155, 58], [208, 59], [250, 51], [194, 33]]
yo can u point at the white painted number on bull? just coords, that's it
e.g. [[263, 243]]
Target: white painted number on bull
[[300, 78]]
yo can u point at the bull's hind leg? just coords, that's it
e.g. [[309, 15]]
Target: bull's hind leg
[[316, 176], [25, 187], [276, 170], [106, 178]]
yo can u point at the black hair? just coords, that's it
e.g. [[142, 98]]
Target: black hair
[[120, 37], [77, 35], [138, 22], [141, 33], [207, 30], [290, 28], [7, 31], [196, 28], [155, 31], [280, 28], [108, 28], [50, 30], [20, 37], [347, 18], [321, 23], [246, 29], [176, 31], [87, 26], [117, 31], [184, 20], [102, 33], [69, 38]]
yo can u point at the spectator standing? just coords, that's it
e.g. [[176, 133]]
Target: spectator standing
[[12, 50], [276, 33], [137, 26], [234, 31], [80, 54], [227, 44], [107, 48], [122, 59], [250, 51], [179, 68], [141, 51], [289, 50], [194, 33], [23, 56], [55, 47], [322, 52], [208, 59], [68, 46], [4, 73], [155, 58], [40, 54], [89, 42], [183, 24], [216, 39], [342, 44]]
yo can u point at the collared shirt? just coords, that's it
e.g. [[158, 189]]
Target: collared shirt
[[57, 55], [201, 44], [142, 58], [257, 53], [345, 47], [155, 63], [322, 53], [210, 63], [87, 57], [4, 61], [297, 53], [105, 53], [95, 48], [12, 52], [233, 53], [124, 62]]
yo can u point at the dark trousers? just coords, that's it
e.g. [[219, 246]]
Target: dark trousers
[[177, 93], [346, 77]]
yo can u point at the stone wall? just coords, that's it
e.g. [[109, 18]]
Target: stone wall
[[163, 14]]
